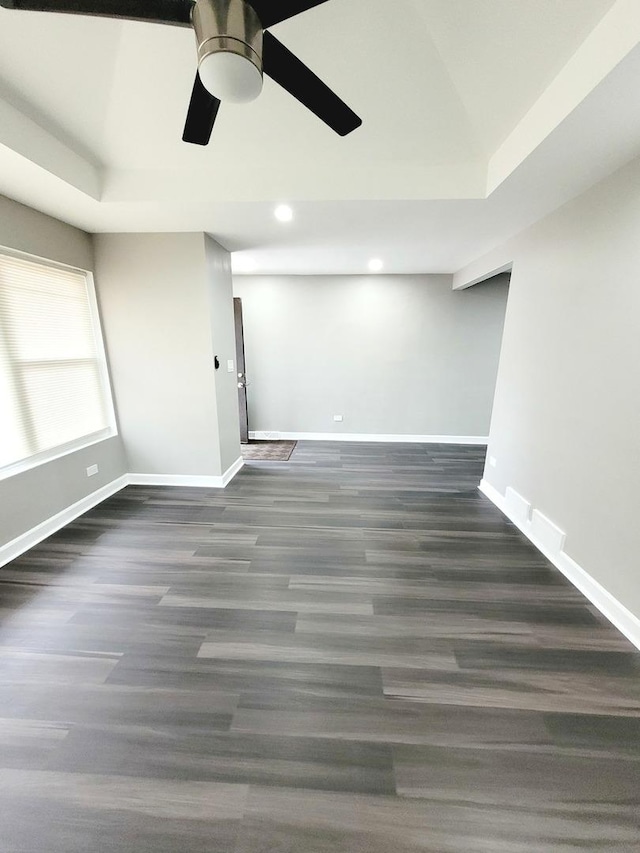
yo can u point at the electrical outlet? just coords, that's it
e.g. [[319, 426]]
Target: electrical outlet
[[91, 470], [337, 418], [493, 461]]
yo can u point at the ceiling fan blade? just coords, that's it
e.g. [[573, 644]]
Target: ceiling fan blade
[[161, 11], [201, 117], [294, 76], [272, 12]]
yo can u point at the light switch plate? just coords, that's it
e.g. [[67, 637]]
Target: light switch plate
[[230, 366], [91, 470]]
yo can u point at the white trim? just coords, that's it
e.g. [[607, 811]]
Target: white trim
[[205, 481], [191, 480], [508, 267], [106, 391], [518, 507], [58, 452], [39, 259], [231, 471], [546, 532], [103, 368], [46, 528], [622, 618], [353, 436]]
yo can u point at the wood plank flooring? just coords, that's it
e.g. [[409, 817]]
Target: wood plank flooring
[[350, 652]]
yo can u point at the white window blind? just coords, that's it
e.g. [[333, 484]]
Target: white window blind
[[54, 392]]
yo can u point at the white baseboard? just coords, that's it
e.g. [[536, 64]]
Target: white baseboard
[[190, 480], [517, 506], [202, 481], [549, 540], [231, 471], [353, 436], [548, 534], [46, 528]]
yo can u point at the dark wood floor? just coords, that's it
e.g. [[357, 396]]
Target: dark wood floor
[[352, 652]]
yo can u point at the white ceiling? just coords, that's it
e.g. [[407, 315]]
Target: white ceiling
[[530, 96]]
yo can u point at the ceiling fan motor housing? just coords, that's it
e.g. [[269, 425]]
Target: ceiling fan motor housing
[[229, 37]]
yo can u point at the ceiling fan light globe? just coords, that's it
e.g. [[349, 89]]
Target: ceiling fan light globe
[[230, 77]]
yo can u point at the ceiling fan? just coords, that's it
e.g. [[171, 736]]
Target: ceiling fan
[[234, 50]]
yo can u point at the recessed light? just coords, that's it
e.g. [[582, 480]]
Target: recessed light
[[283, 213], [375, 265]]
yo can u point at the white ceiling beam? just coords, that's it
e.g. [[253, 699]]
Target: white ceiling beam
[[25, 137], [609, 43]]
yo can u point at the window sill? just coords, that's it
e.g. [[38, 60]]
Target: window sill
[[47, 456]]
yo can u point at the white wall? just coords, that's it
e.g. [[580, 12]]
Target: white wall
[[156, 319], [393, 354], [565, 431], [30, 498], [165, 320], [220, 289]]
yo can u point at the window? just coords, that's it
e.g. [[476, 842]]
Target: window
[[54, 388]]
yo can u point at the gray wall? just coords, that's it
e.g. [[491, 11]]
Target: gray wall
[[220, 288], [167, 306], [393, 354], [156, 320], [30, 498], [565, 431]]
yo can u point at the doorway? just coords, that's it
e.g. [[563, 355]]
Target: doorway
[[256, 449], [241, 371]]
